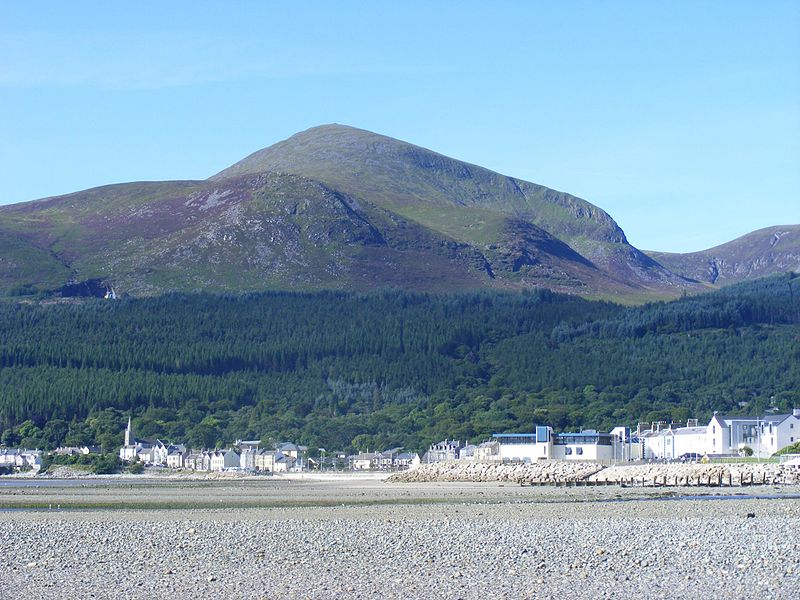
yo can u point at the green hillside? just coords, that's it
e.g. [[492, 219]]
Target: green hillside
[[340, 208], [333, 207], [341, 370], [464, 201]]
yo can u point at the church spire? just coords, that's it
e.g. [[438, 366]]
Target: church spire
[[128, 433]]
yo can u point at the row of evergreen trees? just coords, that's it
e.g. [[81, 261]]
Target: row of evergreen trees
[[388, 369]]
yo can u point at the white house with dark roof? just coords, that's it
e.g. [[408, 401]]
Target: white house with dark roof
[[765, 435], [222, 460], [273, 461], [176, 457], [16, 458], [248, 452], [443, 451], [672, 442], [193, 461], [488, 452], [365, 461], [386, 459], [406, 460]]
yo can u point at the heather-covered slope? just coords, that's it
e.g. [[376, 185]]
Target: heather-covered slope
[[464, 201], [336, 207], [266, 231], [331, 208], [757, 254]]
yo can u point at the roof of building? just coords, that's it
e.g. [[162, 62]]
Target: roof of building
[[690, 431], [775, 419], [366, 456], [587, 433]]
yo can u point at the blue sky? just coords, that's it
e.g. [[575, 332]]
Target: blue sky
[[682, 120]]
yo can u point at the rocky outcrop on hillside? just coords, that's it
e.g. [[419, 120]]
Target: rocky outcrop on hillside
[[757, 254]]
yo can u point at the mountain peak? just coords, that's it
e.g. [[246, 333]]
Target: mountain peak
[[332, 142], [333, 206], [467, 202]]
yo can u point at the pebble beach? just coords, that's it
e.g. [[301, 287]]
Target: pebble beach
[[365, 538]]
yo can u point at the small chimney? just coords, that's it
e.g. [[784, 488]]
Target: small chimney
[[796, 413]]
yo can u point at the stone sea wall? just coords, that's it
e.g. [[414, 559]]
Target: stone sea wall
[[733, 474], [539, 472], [555, 472]]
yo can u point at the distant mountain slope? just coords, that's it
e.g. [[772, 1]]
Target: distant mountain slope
[[757, 254], [464, 201], [266, 231], [332, 207]]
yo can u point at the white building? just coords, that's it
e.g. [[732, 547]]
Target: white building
[[193, 461], [406, 460], [543, 444], [673, 442], [16, 458], [128, 451], [150, 452], [443, 451], [153, 452], [249, 451], [273, 461], [176, 457], [488, 452], [364, 461], [222, 460], [765, 435], [294, 452]]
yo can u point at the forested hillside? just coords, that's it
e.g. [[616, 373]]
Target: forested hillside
[[355, 371]]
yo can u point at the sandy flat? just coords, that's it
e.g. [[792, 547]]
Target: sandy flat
[[362, 538]]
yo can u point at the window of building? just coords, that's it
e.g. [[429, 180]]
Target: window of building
[[578, 450], [714, 429], [568, 451]]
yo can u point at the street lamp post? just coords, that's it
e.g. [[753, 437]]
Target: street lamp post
[[758, 439], [322, 459]]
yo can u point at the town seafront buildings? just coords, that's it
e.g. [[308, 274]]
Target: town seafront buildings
[[722, 436], [249, 456], [761, 436], [20, 459]]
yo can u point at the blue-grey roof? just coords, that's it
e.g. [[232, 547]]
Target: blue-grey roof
[[760, 419]]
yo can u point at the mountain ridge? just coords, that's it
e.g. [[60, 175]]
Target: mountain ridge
[[750, 256], [332, 207]]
